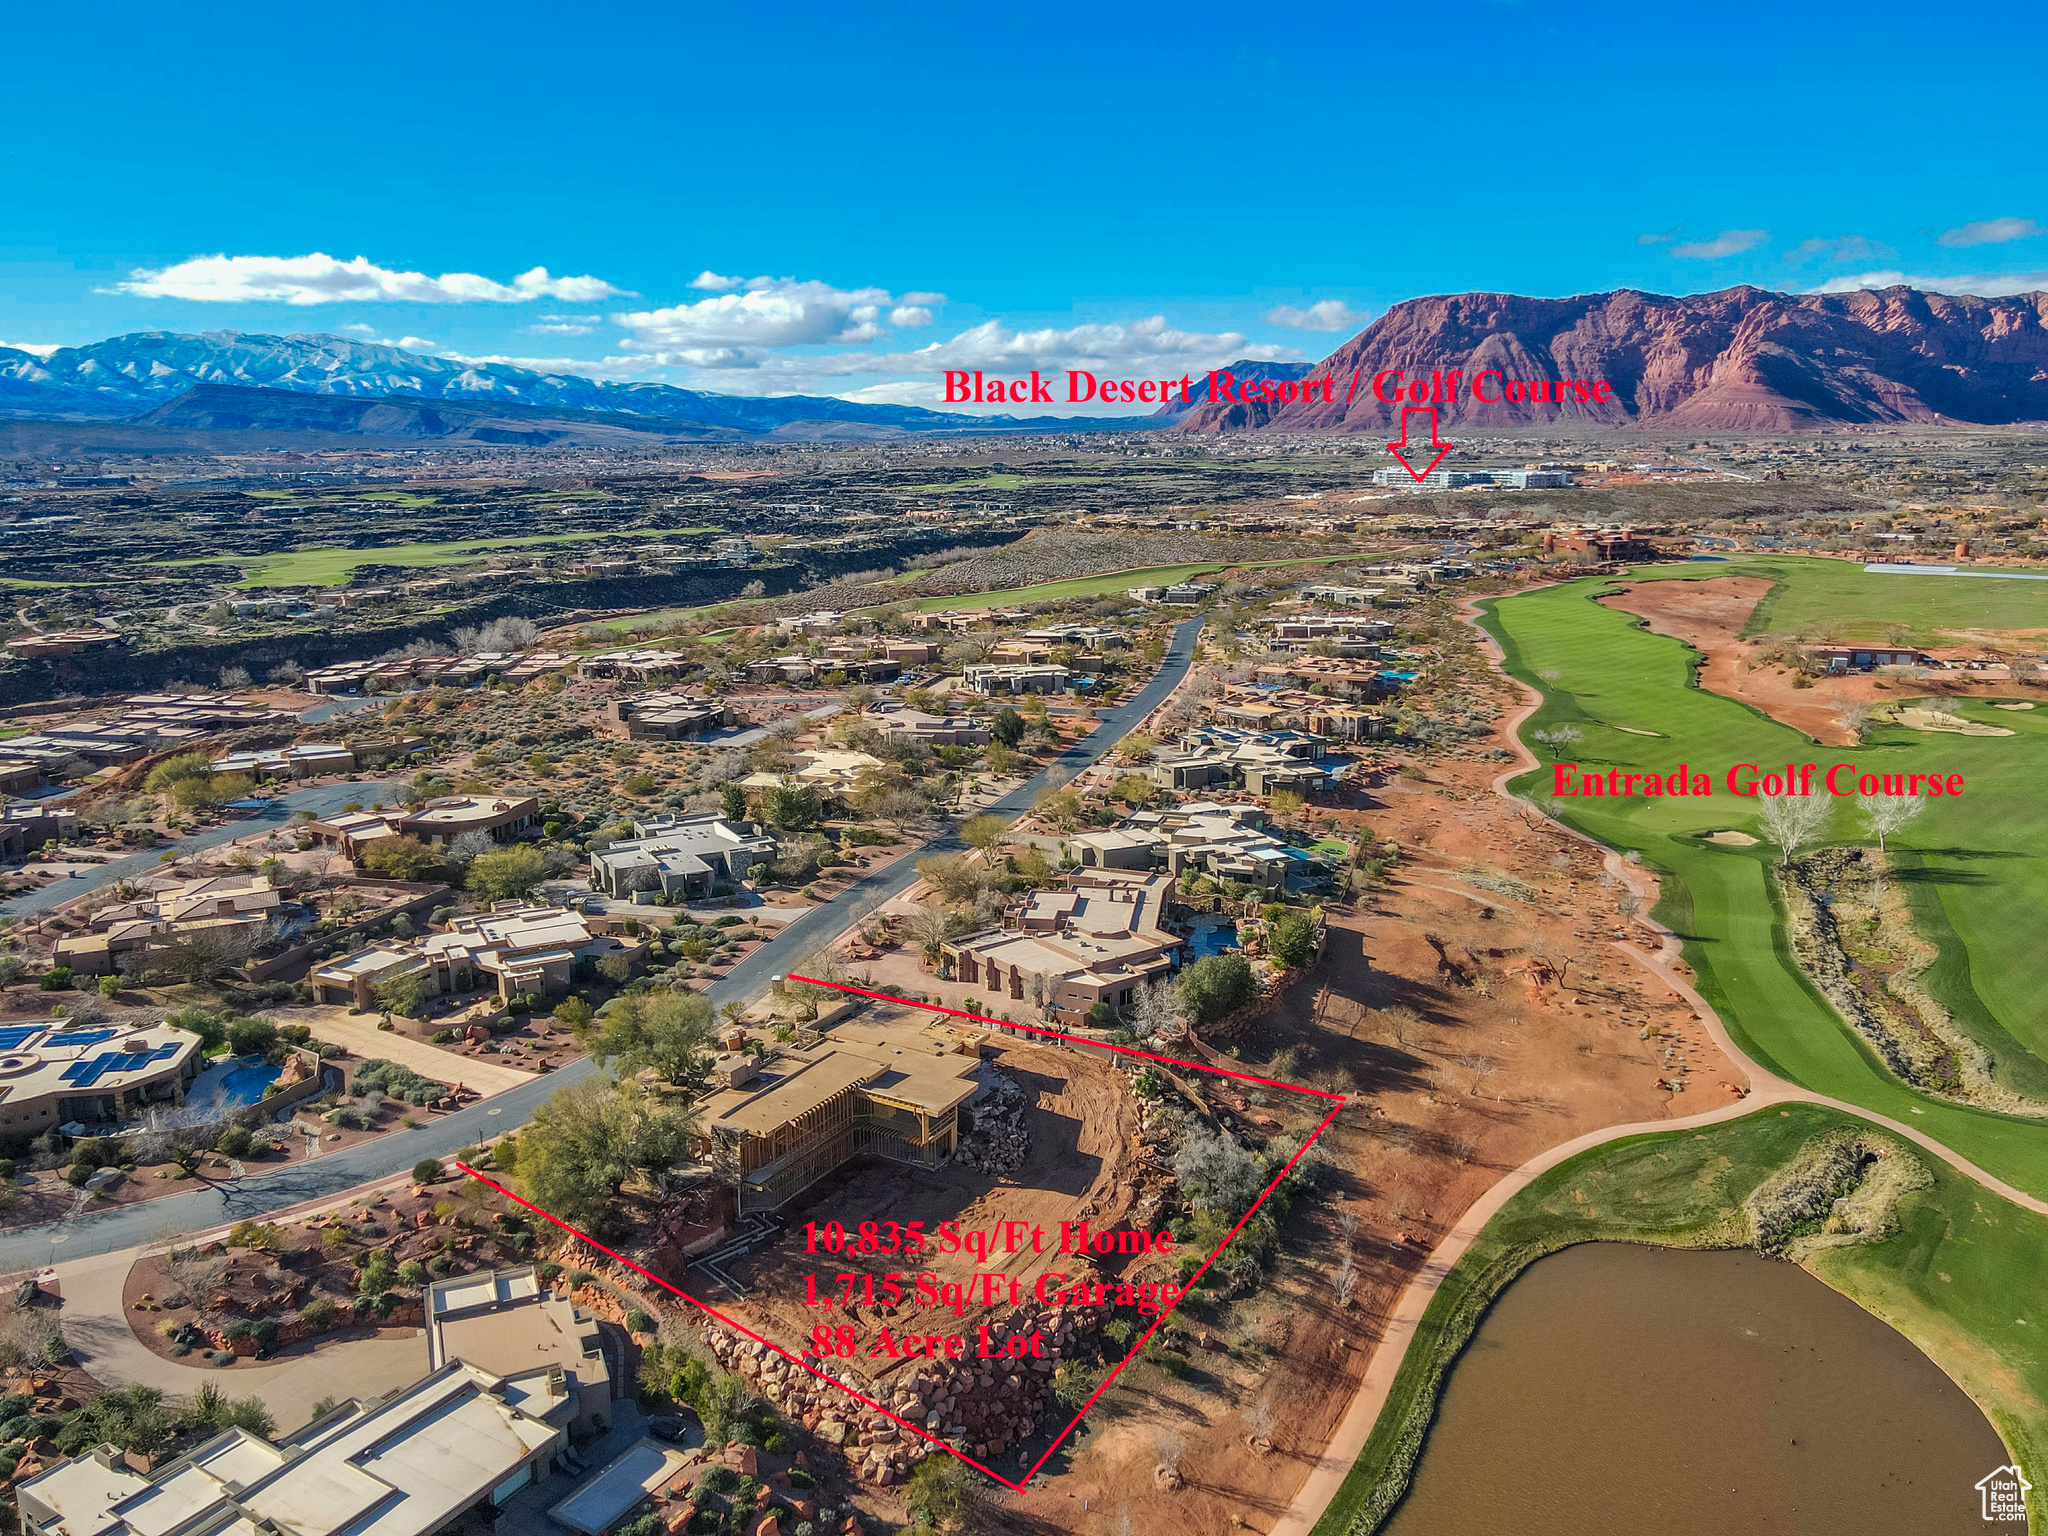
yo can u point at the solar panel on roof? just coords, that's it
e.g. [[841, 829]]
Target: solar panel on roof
[[83, 1074], [15, 1037], [83, 1037]]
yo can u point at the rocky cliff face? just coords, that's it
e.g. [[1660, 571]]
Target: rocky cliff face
[[1742, 360]]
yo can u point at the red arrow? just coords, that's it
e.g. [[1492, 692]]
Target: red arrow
[[1435, 442]]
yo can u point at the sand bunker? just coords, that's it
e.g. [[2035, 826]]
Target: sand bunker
[[1955, 725], [2013, 706], [1638, 731], [1730, 839]]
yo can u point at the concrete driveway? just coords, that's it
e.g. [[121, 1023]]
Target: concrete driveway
[[359, 1033], [100, 1335]]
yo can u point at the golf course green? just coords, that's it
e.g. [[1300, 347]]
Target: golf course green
[[1973, 863]]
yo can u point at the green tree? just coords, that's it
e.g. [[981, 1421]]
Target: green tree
[[791, 807], [588, 1140], [507, 873], [733, 801], [1213, 987], [251, 1037], [572, 1012], [1008, 727], [985, 832], [404, 995], [399, 858], [1291, 940], [173, 770], [665, 1033]]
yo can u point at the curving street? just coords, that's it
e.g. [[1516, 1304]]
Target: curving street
[[336, 1172]]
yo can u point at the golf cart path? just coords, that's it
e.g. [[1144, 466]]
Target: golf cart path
[[1766, 1088]]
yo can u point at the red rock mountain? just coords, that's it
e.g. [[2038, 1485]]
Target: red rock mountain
[[1744, 359]]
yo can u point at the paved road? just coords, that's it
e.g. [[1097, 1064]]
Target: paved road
[[322, 1177], [323, 800]]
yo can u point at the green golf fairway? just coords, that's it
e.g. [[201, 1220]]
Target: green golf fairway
[[1972, 864]]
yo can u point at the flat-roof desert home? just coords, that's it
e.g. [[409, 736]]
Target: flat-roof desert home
[[690, 854], [893, 1090], [509, 1324], [52, 1075], [516, 948], [459, 1441], [502, 817], [1097, 941]]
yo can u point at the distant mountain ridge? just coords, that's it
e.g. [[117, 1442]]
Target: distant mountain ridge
[[124, 377], [1743, 359]]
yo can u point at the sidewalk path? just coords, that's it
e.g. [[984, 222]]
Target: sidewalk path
[[1345, 1447], [105, 1345]]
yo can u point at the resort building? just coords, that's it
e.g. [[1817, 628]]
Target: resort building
[[456, 1444], [891, 1089], [688, 854], [517, 948]]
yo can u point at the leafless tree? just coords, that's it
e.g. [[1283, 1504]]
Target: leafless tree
[[1477, 1070], [1260, 1419], [200, 954], [1169, 1445], [1884, 815], [1345, 1281], [1400, 1021], [1854, 721], [1791, 821]]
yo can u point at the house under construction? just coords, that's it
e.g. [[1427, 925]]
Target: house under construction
[[890, 1089]]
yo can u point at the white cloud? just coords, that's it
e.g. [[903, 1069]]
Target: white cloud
[[360, 329], [1660, 238], [1147, 348], [321, 279], [771, 312], [34, 348], [711, 280], [1982, 286], [1326, 315], [1989, 232], [560, 328], [910, 316], [1730, 242], [1847, 248]]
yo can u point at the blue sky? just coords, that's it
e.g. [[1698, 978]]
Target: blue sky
[[847, 200]]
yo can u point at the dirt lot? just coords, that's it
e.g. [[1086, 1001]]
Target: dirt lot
[[1439, 1009], [1709, 615], [1081, 1119]]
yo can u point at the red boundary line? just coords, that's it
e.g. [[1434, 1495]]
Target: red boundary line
[[918, 1429]]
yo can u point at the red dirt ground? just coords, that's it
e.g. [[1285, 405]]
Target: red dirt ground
[[1709, 615]]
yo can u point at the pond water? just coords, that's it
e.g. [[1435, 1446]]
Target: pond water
[[1616, 1390]]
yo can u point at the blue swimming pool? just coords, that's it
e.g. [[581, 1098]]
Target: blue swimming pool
[[245, 1085], [1207, 941]]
